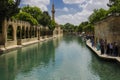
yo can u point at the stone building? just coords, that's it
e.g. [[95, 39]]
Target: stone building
[[108, 29]]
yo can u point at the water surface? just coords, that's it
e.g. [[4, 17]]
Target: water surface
[[65, 58]]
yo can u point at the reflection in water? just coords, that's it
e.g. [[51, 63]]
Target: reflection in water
[[25, 59], [106, 70], [65, 58]]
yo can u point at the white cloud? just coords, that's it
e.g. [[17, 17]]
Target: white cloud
[[79, 17], [65, 9], [95, 4], [73, 1], [39, 3], [73, 18]]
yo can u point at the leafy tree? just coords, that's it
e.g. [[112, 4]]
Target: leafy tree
[[85, 26], [114, 7], [52, 25], [7, 9], [97, 15], [26, 17], [33, 11], [46, 19]]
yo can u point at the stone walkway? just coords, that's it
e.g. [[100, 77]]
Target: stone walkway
[[99, 53], [3, 49]]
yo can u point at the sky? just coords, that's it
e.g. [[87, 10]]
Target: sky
[[68, 11]]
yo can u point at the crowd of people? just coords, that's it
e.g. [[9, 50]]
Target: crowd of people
[[107, 48], [110, 49]]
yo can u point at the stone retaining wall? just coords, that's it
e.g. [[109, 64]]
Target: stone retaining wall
[[109, 29]]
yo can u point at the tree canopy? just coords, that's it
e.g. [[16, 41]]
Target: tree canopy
[[97, 15], [34, 16], [52, 25], [45, 19], [26, 17], [8, 8], [35, 12], [114, 7]]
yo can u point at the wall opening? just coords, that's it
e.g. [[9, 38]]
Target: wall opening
[[18, 32], [10, 33]]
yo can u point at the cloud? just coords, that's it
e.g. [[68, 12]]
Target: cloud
[[39, 3], [80, 16], [73, 18], [95, 4], [65, 9], [73, 1]]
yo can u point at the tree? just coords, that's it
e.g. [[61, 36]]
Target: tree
[[97, 15], [33, 11], [52, 25], [114, 7], [86, 27], [26, 17], [69, 27], [46, 19], [8, 8]]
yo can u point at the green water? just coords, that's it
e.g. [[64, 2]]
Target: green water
[[65, 58]]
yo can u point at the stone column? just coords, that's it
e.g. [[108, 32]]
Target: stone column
[[4, 32], [25, 32], [14, 33]]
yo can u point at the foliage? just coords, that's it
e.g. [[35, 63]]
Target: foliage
[[52, 25], [26, 17], [115, 7], [8, 8], [85, 26], [35, 16], [45, 19], [33, 11], [97, 15], [68, 26]]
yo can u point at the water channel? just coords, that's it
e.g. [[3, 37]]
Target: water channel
[[64, 58]]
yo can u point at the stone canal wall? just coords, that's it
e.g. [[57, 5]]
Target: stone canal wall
[[17, 33], [108, 29]]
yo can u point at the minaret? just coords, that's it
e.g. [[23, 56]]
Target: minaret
[[53, 11]]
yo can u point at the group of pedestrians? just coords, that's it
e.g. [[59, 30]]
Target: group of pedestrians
[[107, 48]]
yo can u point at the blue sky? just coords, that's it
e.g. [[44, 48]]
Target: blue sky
[[69, 11]]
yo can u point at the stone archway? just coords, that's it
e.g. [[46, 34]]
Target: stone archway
[[10, 33]]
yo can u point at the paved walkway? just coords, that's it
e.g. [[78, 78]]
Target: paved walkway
[[99, 53]]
